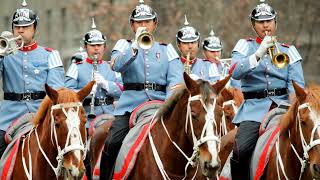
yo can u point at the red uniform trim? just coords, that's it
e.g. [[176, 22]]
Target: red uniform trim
[[285, 45], [258, 40], [183, 60], [232, 68], [91, 61], [30, 47]]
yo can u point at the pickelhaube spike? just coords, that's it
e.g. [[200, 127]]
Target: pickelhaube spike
[[186, 23], [24, 3], [211, 33], [262, 1], [93, 25], [141, 1]]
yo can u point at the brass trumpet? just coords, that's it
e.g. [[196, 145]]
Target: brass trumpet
[[145, 40], [8, 43], [187, 66], [280, 60]]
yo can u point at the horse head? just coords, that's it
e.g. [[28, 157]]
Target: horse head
[[226, 107], [200, 118], [67, 120], [308, 126]]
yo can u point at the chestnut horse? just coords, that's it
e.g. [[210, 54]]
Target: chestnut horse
[[183, 135], [228, 102], [296, 154], [54, 148]]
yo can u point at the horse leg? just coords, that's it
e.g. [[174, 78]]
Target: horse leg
[[97, 142], [226, 145]]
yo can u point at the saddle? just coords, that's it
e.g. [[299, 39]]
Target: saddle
[[98, 121], [20, 126]]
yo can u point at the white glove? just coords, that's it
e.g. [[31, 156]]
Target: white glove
[[138, 33], [101, 81], [265, 44]]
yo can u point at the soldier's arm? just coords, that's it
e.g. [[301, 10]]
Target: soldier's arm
[[122, 56], [245, 62], [1, 66], [115, 85], [71, 80], [295, 69], [175, 71], [55, 77]]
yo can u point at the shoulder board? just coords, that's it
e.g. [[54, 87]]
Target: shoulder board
[[249, 39], [285, 45], [163, 44], [129, 40], [48, 49]]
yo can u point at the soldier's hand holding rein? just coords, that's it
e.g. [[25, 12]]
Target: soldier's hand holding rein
[[265, 44]]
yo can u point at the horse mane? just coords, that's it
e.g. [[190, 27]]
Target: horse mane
[[42, 111], [205, 90], [172, 101], [313, 97], [65, 95]]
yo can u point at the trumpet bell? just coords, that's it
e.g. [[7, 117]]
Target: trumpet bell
[[8, 43], [280, 60], [145, 40]]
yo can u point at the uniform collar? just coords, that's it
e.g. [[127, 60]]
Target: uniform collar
[[258, 40], [30, 47], [183, 60], [91, 61]]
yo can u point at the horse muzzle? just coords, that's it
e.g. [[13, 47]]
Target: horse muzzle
[[210, 169]]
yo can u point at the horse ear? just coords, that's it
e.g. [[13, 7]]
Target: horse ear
[[300, 93], [226, 94], [218, 86], [85, 91], [53, 94], [190, 83]]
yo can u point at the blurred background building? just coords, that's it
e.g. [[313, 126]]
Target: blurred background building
[[63, 23]]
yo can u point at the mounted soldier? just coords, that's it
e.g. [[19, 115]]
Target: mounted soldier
[[266, 81], [149, 69], [84, 69], [212, 51], [26, 71], [188, 43]]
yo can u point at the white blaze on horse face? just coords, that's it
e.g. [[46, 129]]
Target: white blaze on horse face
[[315, 117], [210, 131], [73, 123]]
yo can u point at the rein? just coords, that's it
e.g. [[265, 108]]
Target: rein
[[223, 125], [73, 126], [210, 136], [305, 146]]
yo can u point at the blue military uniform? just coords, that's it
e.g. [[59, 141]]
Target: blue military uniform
[[80, 73], [264, 87], [147, 74], [203, 69], [157, 66], [263, 76], [26, 72]]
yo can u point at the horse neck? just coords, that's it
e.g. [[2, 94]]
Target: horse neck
[[290, 136], [44, 134]]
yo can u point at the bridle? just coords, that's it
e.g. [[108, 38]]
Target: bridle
[[305, 146], [73, 122], [223, 125], [207, 134]]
